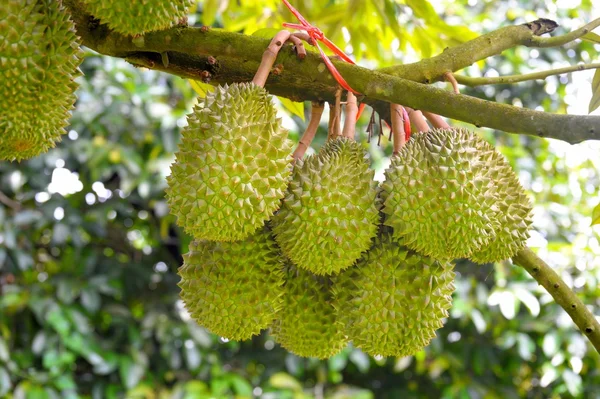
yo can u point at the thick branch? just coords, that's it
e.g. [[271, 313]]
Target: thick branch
[[228, 57], [562, 294], [470, 81]]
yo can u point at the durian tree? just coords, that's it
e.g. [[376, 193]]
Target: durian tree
[[220, 57]]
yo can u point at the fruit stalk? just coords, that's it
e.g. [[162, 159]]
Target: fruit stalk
[[397, 128], [436, 121], [269, 56], [309, 134], [562, 294], [351, 112], [417, 119]]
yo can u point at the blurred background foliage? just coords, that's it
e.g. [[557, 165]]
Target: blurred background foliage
[[89, 303]]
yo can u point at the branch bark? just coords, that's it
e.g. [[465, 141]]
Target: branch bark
[[472, 81], [228, 57], [562, 294]]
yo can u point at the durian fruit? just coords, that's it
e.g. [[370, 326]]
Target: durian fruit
[[233, 289], [306, 324], [232, 167], [39, 59], [392, 302], [139, 16], [329, 214], [515, 219], [446, 195]]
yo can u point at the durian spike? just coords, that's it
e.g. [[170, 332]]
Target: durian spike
[[436, 121], [351, 112], [449, 77], [397, 128], [334, 116], [417, 119], [270, 54], [315, 117]]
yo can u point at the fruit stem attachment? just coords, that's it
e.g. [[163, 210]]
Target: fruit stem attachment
[[449, 77], [417, 119], [436, 121], [351, 112], [562, 294], [398, 132], [269, 56], [309, 134], [334, 116]]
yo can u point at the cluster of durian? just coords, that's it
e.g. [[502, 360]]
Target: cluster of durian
[[39, 60], [316, 250]]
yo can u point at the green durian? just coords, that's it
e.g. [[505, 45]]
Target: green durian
[[392, 302], [446, 195], [232, 167], [138, 16], [306, 324], [514, 216], [39, 60], [233, 289], [329, 214]]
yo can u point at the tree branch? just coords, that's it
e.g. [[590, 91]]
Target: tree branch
[[556, 41], [562, 294], [227, 57], [471, 81]]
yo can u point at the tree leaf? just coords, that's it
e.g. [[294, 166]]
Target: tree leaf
[[595, 101], [200, 87], [591, 37], [596, 215], [294, 107], [285, 381], [209, 12]]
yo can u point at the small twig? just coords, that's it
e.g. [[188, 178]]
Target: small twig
[[351, 112], [309, 134], [334, 116], [397, 128], [436, 121], [470, 81], [562, 294], [9, 202], [537, 41], [370, 126], [449, 77], [417, 119]]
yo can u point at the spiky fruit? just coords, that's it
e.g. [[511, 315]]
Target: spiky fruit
[[329, 214], [392, 302], [140, 16], [514, 214], [39, 57], [447, 192], [306, 324], [232, 167], [233, 289]]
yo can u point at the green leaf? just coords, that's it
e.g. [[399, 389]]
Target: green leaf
[[596, 215], [591, 37], [285, 381], [200, 87], [296, 108], [595, 101], [267, 33], [209, 12]]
